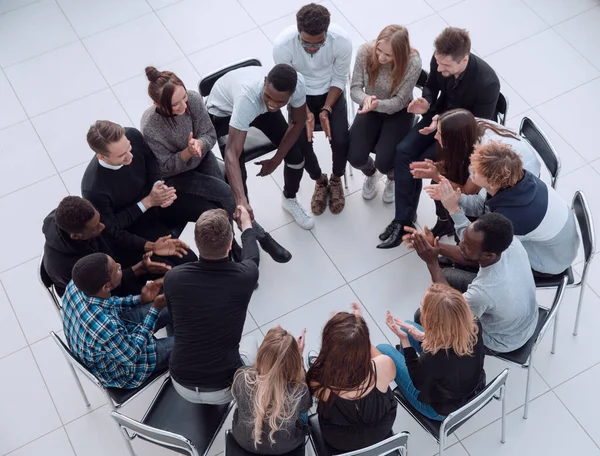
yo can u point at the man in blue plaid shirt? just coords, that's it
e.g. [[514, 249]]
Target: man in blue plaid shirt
[[112, 336]]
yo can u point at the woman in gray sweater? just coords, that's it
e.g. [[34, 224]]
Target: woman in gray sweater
[[181, 135], [385, 74]]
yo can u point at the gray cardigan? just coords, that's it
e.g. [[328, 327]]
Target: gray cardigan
[[168, 136]]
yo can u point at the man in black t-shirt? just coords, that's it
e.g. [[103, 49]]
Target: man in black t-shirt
[[208, 300]]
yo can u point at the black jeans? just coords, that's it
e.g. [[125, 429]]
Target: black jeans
[[378, 133], [414, 147], [274, 126], [340, 138], [199, 190]]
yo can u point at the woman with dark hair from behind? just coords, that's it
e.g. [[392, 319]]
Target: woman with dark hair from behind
[[350, 378], [458, 133], [181, 135], [439, 366], [385, 74], [272, 396]]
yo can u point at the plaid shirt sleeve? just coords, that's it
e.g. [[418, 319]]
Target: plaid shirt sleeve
[[127, 348], [124, 303]]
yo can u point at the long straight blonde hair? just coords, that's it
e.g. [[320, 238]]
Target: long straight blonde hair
[[398, 38], [447, 321], [275, 383]]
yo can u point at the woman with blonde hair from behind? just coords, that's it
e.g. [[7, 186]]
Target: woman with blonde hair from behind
[[439, 366], [385, 74], [271, 396]]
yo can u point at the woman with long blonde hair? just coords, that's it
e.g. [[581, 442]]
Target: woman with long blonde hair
[[385, 74], [439, 365], [271, 396]]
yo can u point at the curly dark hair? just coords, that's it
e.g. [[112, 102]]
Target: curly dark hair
[[313, 19], [73, 214], [497, 232], [283, 77], [91, 272]]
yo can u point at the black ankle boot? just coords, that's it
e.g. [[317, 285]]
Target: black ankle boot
[[396, 231], [443, 227], [276, 251]]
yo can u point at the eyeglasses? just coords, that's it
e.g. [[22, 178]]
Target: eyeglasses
[[306, 45]]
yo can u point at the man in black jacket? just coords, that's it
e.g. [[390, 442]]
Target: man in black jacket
[[74, 230], [457, 79], [123, 182], [208, 301]]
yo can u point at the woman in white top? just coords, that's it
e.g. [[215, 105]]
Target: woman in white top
[[458, 133], [385, 74]]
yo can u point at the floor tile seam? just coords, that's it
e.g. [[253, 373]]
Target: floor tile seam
[[597, 67], [18, 8], [111, 27], [576, 420], [558, 385], [34, 440], [22, 263], [587, 10]]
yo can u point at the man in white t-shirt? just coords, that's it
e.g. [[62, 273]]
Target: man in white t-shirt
[[321, 52], [245, 98]]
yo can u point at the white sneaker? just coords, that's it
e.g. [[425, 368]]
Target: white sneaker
[[302, 218], [369, 189], [389, 191]]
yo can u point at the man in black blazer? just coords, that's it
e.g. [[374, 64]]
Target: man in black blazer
[[457, 79]]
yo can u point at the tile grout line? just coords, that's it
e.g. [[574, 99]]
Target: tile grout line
[[35, 440], [576, 420], [16, 8]]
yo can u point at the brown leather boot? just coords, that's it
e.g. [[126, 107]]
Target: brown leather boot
[[337, 199], [318, 203]]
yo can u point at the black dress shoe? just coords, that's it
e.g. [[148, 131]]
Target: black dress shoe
[[395, 237], [443, 228], [388, 230], [272, 247]]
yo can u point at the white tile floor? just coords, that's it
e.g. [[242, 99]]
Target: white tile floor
[[66, 63]]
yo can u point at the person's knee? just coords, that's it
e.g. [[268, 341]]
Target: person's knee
[[385, 349], [357, 158], [384, 163]]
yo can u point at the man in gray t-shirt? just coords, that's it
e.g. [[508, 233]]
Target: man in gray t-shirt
[[502, 293], [248, 97]]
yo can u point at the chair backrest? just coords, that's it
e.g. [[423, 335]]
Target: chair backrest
[[551, 315], [586, 225], [501, 108], [207, 82], [536, 137], [397, 442], [158, 436], [422, 79], [456, 418], [46, 281], [73, 361]]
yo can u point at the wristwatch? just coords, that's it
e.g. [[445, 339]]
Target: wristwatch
[[326, 108]]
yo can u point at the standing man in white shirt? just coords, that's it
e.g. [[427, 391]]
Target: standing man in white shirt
[[321, 52], [245, 98]]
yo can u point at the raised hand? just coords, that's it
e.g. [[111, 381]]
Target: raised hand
[[302, 341], [390, 321], [426, 169], [154, 267], [431, 128], [448, 196], [165, 246], [418, 106], [150, 290], [416, 334]]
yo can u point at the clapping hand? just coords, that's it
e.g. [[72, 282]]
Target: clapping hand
[[370, 103], [153, 267], [416, 334], [195, 146], [426, 169], [165, 246], [445, 193], [407, 238], [150, 290], [418, 106], [391, 323], [431, 128]]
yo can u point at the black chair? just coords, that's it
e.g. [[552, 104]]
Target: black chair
[[232, 448], [501, 108], [584, 219], [116, 397], [524, 356], [540, 142], [46, 281], [396, 444], [176, 424], [257, 144], [441, 430]]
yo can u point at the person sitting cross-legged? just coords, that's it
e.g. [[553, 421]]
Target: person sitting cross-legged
[[439, 365], [113, 337], [502, 293]]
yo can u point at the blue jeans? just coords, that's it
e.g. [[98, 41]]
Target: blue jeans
[[164, 346], [407, 388]]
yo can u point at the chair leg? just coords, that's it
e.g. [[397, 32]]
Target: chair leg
[[529, 368], [503, 434], [127, 441], [79, 386], [346, 180], [442, 445], [555, 333], [579, 305]]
